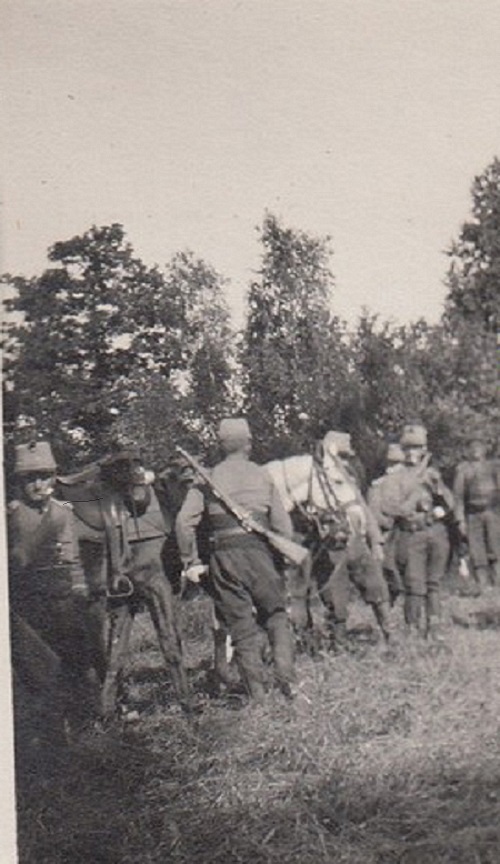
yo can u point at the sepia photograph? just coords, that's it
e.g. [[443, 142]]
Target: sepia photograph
[[250, 494]]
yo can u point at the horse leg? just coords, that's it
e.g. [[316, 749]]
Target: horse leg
[[119, 636]]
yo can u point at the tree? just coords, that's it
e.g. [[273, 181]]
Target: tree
[[87, 331], [293, 349], [474, 274]]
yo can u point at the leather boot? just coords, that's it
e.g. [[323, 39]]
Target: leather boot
[[495, 573], [251, 668], [434, 629], [222, 668], [482, 578], [339, 640], [413, 613], [280, 637], [382, 613]]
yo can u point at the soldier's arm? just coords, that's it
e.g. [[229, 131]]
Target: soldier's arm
[[374, 500], [279, 519], [186, 523], [459, 494]]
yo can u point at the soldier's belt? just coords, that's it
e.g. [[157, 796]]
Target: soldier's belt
[[412, 526], [228, 532]]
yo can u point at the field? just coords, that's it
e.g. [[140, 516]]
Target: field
[[380, 759]]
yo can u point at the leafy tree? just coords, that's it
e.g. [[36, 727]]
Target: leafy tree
[[85, 332], [293, 350], [474, 275]]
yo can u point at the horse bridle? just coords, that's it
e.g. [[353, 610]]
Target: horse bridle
[[309, 510]]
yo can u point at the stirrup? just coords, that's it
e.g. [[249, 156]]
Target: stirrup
[[123, 588]]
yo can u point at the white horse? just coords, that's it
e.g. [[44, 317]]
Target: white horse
[[319, 488], [341, 529]]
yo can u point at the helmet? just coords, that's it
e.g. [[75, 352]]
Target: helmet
[[35, 456], [340, 442], [414, 436], [234, 431], [394, 453]]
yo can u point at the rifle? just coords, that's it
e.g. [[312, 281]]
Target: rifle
[[287, 548]]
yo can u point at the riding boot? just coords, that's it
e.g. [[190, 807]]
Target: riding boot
[[281, 641], [382, 612], [495, 573], [413, 613], [222, 668], [251, 668], [339, 640], [434, 629], [482, 578], [180, 683]]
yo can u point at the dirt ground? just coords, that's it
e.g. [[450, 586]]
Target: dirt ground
[[382, 759]]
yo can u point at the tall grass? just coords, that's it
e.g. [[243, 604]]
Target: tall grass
[[380, 759]]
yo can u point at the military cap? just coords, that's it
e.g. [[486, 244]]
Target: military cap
[[234, 429], [394, 453], [35, 456], [338, 441], [414, 436]]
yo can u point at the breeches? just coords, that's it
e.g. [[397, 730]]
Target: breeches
[[244, 577], [354, 565], [483, 531], [424, 556]]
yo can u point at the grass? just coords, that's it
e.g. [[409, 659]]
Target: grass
[[379, 760]]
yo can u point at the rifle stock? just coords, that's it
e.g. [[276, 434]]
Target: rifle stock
[[289, 549]]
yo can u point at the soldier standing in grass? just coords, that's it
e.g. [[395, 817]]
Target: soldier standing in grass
[[417, 499], [242, 567], [394, 462], [476, 490], [47, 589]]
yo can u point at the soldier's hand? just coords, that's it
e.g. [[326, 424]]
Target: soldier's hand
[[195, 572]]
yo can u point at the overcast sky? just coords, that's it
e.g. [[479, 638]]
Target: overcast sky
[[186, 119]]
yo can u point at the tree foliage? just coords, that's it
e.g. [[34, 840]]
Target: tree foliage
[[86, 335], [294, 355], [474, 274]]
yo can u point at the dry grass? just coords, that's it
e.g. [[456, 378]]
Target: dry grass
[[380, 760]]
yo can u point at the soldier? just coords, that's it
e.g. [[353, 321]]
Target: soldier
[[418, 500], [394, 462], [47, 585], [243, 570], [357, 555], [141, 525], [476, 489]]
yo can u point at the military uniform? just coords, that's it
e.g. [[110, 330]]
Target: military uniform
[[242, 567], [418, 500], [47, 585], [386, 524], [476, 491], [141, 526]]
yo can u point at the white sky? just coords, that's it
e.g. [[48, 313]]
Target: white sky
[[185, 119]]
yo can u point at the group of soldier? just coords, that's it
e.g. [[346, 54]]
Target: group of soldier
[[400, 546]]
